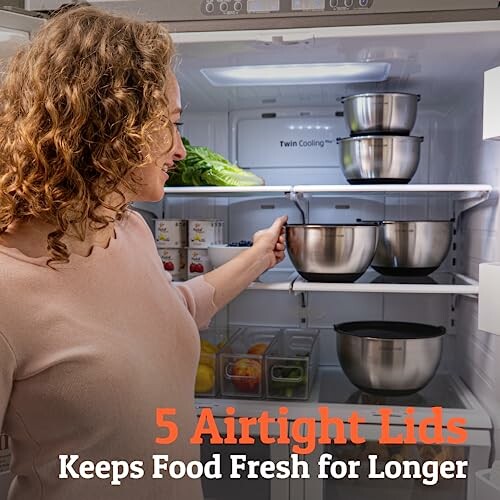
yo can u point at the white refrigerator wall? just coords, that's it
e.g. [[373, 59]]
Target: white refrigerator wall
[[478, 241]]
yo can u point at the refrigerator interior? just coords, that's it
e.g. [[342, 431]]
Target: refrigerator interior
[[442, 63]]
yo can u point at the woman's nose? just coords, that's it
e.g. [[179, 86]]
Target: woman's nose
[[179, 150]]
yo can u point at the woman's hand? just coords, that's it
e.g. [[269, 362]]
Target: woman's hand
[[270, 242], [233, 277]]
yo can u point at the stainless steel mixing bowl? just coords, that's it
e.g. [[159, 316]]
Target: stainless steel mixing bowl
[[373, 159], [388, 113], [412, 248], [329, 252], [390, 358]]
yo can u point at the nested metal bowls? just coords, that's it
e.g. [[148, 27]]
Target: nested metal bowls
[[389, 358], [412, 248], [377, 112], [330, 252], [379, 159]]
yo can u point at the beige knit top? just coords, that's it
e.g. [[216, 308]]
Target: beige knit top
[[87, 354]]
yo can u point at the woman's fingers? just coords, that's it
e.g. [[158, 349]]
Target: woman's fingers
[[279, 255]]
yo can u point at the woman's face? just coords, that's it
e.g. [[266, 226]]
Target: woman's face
[[153, 176]]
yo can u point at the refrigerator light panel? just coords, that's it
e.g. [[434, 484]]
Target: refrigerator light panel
[[297, 74]]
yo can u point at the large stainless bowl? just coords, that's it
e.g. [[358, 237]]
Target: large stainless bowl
[[412, 248], [390, 358], [373, 159], [331, 253], [388, 113]]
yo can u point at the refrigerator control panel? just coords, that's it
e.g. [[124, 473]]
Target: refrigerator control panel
[[246, 7]]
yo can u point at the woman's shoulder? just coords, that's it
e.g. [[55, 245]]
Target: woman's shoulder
[[134, 223]]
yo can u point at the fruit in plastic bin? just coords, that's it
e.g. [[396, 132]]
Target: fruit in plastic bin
[[207, 354], [168, 266], [207, 346], [205, 379], [246, 375], [258, 348]]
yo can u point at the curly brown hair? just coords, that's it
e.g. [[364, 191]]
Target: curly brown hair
[[79, 107]]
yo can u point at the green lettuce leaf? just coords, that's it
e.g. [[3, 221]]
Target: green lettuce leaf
[[204, 167]]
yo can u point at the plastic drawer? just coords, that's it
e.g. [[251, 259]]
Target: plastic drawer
[[291, 363], [212, 341], [241, 362]]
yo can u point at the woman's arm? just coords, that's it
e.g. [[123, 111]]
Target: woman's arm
[[233, 277]]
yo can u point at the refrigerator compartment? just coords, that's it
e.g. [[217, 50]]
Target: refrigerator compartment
[[241, 362], [212, 341], [291, 364]]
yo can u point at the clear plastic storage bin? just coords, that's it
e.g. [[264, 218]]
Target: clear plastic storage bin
[[291, 363], [241, 362], [212, 341]]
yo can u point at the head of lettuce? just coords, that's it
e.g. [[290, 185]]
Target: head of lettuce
[[204, 167]]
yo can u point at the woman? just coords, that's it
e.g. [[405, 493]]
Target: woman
[[93, 336]]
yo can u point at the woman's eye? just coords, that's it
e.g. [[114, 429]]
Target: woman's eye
[[179, 125]]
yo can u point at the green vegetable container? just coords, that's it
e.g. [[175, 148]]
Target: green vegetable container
[[291, 363]]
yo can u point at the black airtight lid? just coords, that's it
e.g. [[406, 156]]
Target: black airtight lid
[[390, 330]]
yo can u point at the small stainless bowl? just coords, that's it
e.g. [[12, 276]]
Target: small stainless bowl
[[329, 252], [412, 248], [374, 159], [389, 358], [377, 112]]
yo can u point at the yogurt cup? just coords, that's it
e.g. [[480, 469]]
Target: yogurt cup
[[198, 262], [171, 233], [174, 262], [202, 233]]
